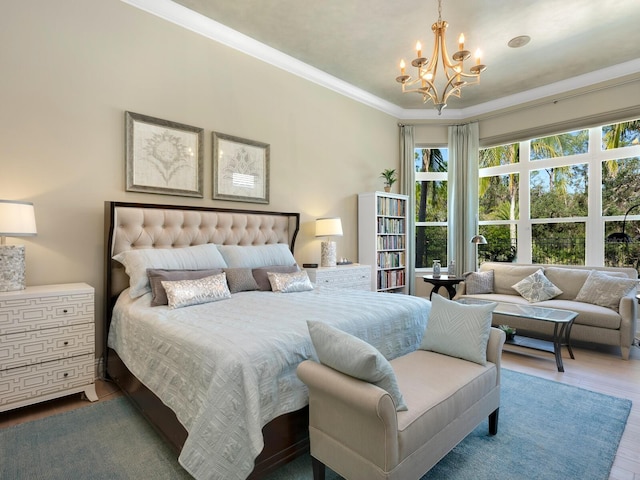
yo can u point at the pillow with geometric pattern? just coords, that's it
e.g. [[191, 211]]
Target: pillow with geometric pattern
[[478, 282]]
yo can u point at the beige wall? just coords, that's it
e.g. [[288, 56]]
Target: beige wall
[[71, 68]]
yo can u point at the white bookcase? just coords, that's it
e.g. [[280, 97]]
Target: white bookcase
[[382, 239]]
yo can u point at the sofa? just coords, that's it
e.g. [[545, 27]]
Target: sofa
[[603, 318]]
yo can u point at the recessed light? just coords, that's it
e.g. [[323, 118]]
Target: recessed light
[[519, 41]]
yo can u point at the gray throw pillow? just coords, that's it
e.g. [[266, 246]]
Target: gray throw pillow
[[458, 330], [157, 276], [355, 357], [240, 280], [478, 282]]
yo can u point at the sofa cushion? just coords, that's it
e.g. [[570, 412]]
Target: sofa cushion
[[479, 282], [605, 290], [508, 274], [588, 314], [437, 396], [458, 330], [536, 287], [355, 357]]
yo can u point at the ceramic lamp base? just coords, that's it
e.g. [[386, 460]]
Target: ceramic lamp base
[[328, 254], [12, 267]]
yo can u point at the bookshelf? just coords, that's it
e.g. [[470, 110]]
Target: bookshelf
[[382, 239]]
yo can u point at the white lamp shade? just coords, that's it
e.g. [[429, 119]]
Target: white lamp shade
[[17, 219], [328, 227]]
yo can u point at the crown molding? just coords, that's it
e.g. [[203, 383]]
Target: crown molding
[[205, 26]]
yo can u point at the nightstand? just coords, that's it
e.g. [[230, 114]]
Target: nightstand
[[355, 277], [47, 344]]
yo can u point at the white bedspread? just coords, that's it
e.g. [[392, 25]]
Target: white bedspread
[[227, 368]]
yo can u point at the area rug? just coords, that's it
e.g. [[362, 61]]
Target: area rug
[[547, 430]]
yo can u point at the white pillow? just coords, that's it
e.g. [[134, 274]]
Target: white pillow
[[458, 330], [136, 262], [256, 256], [182, 293], [355, 357], [536, 287], [478, 282], [290, 282], [605, 290]]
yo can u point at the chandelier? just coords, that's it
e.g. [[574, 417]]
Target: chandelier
[[427, 70]]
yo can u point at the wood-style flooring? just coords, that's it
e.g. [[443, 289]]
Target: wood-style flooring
[[594, 368]]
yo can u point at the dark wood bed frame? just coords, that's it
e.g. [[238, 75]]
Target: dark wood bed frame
[[285, 437]]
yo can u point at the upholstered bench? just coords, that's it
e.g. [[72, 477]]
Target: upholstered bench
[[358, 429]]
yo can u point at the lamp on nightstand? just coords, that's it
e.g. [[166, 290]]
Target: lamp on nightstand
[[328, 227], [17, 219]]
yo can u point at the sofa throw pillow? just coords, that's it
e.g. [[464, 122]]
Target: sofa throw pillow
[[290, 282], [605, 290], [240, 280], [536, 287], [355, 357], [183, 293], [458, 330], [157, 275], [478, 282]]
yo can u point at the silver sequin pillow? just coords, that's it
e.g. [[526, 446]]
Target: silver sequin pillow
[[183, 293], [290, 282], [536, 287]]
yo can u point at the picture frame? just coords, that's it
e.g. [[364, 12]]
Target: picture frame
[[240, 169], [163, 157]]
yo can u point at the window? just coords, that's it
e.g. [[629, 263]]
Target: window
[[555, 199], [431, 205]]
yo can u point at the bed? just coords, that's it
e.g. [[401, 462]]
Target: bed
[[217, 379]]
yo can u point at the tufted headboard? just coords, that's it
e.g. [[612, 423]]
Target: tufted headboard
[[133, 225]]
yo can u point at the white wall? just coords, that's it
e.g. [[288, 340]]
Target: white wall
[[71, 68]]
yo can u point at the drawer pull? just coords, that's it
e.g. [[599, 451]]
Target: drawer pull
[[65, 311], [65, 375], [66, 343]]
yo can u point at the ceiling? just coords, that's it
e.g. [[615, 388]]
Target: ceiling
[[361, 42]]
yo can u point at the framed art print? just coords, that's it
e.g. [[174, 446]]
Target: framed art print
[[240, 169], [163, 157]]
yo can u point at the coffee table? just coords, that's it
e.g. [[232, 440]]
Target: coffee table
[[562, 320]]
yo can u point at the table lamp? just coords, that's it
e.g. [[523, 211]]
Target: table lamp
[[328, 227], [17, 219]]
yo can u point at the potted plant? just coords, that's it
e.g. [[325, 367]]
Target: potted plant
[[389, 175], [510, 332]]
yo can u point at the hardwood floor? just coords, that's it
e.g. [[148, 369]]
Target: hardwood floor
[[594, 368]]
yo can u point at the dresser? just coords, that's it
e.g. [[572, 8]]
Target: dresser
[[355, 277], [47, 344]]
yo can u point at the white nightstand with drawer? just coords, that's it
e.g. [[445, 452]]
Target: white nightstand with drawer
[[355, 277], [47, 344]]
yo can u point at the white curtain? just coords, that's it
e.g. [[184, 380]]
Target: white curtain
[[408, 187], [463, 195]]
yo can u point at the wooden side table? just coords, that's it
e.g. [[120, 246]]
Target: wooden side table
[[445, 281]]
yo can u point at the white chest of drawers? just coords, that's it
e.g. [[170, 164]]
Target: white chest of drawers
[[47, 344], [357, 277]]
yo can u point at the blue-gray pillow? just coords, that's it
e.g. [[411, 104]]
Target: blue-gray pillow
[[458, 330], [355, 357]]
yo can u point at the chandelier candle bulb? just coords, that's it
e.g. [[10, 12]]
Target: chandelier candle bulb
[[419, 49], [461, 42], [478, 55], [402, 67]]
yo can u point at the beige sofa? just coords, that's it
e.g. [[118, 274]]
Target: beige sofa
[[594, 323], [354, 427]]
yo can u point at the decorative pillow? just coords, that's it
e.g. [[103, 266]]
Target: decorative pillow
[[355, 357], [605, 290], [290, 282], [156, 276], [458, 330], [262, 278], [240, 280], [536, 287], [183, 293], [136, 263], [255, 256], [480, 282]]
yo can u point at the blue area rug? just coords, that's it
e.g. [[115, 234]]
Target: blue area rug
[[547, 430]]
